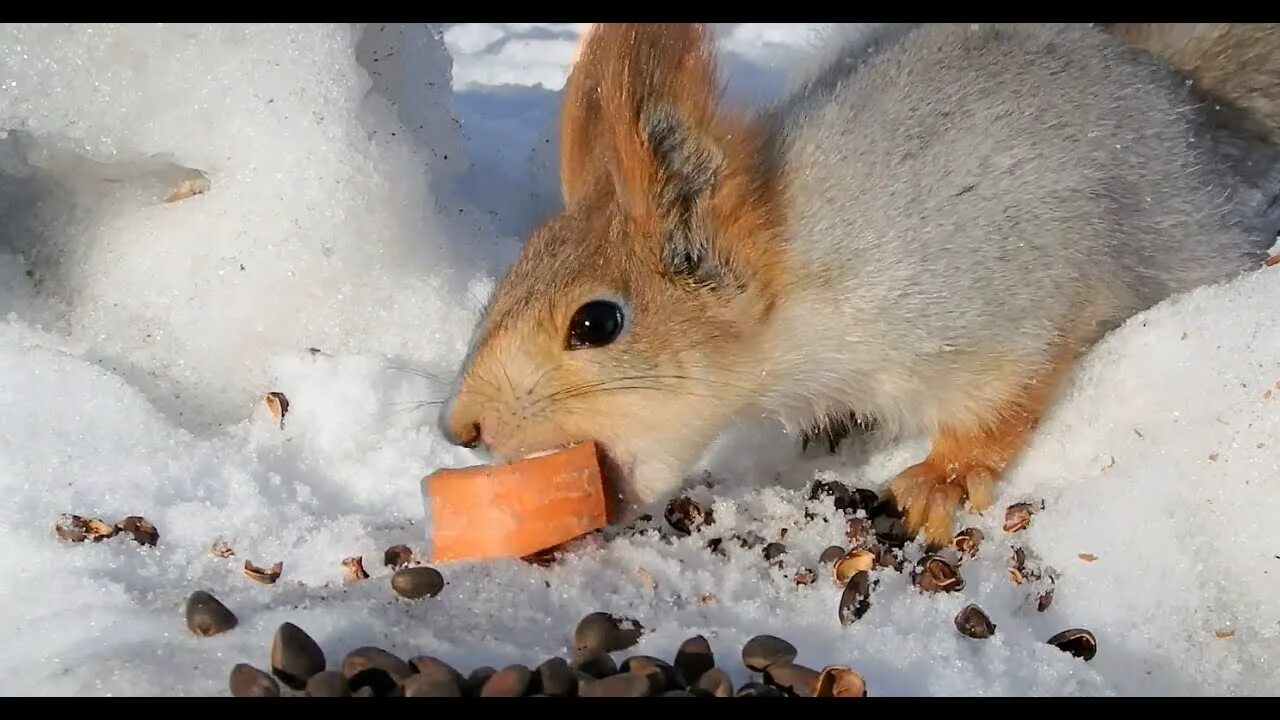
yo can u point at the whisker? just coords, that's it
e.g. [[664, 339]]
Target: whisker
[[596, 391], [510, 385], [419, 373], [418, 403], [629, 378], [541, 377]]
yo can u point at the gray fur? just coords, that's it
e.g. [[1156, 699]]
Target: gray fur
[[964, 196]]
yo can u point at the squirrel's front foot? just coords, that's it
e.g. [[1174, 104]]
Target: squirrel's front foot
[[966, 462], [930, 493]]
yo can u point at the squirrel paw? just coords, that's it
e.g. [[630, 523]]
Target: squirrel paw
[[930, 496]]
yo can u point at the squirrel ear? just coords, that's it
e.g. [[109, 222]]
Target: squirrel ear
[[658, 96], [580, 118], [687, 169]]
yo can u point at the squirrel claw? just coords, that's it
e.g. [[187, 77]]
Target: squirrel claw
[[929, 497]]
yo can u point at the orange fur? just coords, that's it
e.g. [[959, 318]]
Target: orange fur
[[965, 463], [580, 120]]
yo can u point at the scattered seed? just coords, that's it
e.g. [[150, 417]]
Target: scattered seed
[[329, 683], [762, 651], [602, 632], [855, 601], [805, 576], [543, 558], [755, 689], [430, 686], [1223, 634], [295, 656], [1017, 517], [417, 582], [967, 542], [556, 678], [248, 681], [476, 680], [890, 558], [1272, 260], [641, 664], [715, 682], [840, 493], [716, 546], [1087, 557], [266, 577], [839, 681], [865, 500], [436, 669], [222, 549], [647, 578], [793, 680], [782, 534], [510, 681], [1044, 600], [594, 664], [278, 405], [891, 531], [657, 677], [620, 685], [76, 529], [859, 533], [938, 575], [706, 599], [355, 568], [189, 187], [141, 529], [372, 666], [397, 556], [851, 564], [831, 554], [774, 550], [687, 516], [1076, 641], [207, 616], [972, 622], [694, 658]]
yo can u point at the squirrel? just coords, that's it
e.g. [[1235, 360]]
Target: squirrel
[[925, 235]]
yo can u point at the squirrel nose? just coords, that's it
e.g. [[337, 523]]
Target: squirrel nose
[[459, 428]]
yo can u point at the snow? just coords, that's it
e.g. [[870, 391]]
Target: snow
[[366, 184]]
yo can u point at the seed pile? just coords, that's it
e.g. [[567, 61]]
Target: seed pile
[[297, 666], [876, 538]]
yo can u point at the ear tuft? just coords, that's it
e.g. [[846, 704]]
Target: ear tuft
[[687, 167]]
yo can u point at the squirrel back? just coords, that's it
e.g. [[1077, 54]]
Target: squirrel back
[[974, 197], [1235, 65]]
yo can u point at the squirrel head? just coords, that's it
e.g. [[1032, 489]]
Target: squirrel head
[[635, 317]]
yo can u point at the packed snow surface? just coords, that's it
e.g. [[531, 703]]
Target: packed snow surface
[[365, 185]]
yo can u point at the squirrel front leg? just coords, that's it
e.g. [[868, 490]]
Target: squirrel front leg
[[966, 462]]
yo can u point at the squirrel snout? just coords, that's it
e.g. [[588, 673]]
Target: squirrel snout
[[459, 428]]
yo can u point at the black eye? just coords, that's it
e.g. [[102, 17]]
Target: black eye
[[594, 325]]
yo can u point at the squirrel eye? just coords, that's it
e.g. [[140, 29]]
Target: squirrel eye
[[594, 325]]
